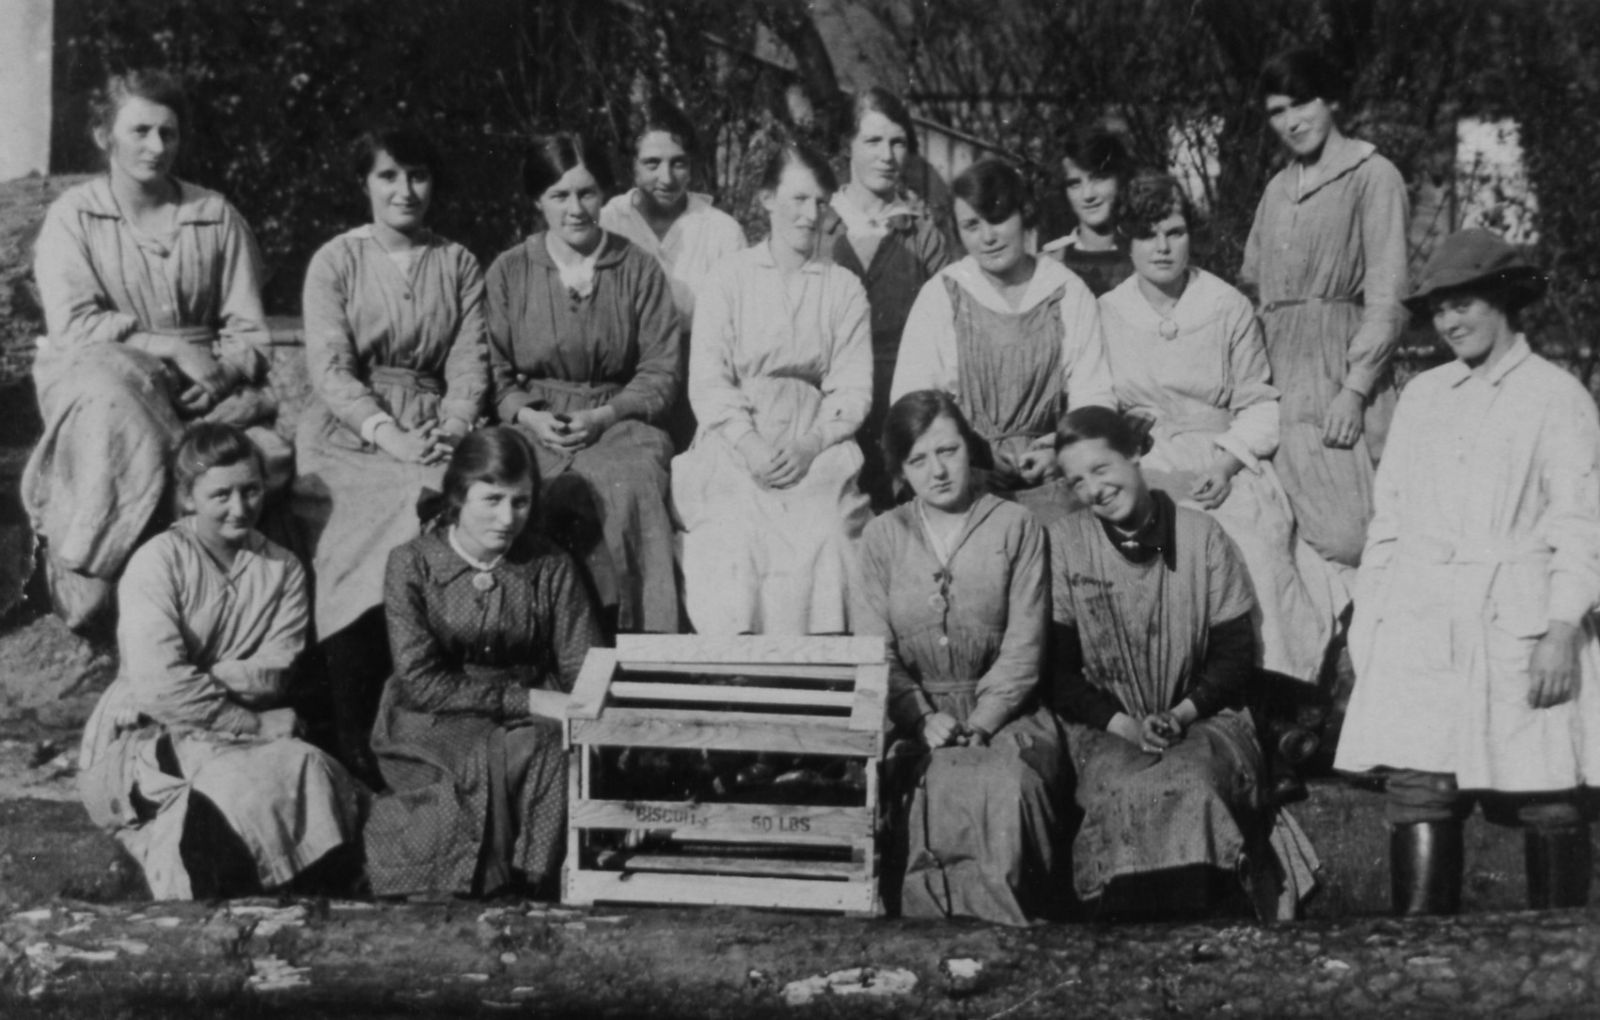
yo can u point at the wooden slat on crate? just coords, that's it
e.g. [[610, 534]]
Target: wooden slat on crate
[[779, 734], [628, 860], [777, 823], [585, 887], [733, 694], [589, 692], [839, 673], [872, 688], [634, 649]]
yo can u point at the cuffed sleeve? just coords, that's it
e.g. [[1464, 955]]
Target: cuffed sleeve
[[719, 404], [509, 396], [1083, 350], [466, 367], [77, 310], [869, 613], [1385, 215], [1253, 434], [1013, 678], [262, 679], [655, 383], [847, 383], [332, 361], [242, 337], [1572, 517]]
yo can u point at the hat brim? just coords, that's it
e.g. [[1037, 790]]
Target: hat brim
[[1519, 285]]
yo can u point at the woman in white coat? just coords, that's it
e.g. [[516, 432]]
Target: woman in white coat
[[1475, 661]]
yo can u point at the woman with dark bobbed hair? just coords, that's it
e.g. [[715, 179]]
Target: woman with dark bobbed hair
[[1015, 339], [956, 581], [1097, 168], [152, 304], [399, 373], [1327, 258], [489, 624], [890, 240], [780, 379], [584, 351]]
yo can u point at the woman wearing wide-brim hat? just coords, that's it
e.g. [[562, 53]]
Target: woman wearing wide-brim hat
[[1476, 665]]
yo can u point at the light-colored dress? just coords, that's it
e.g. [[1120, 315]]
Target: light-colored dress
[[202, 650], [1329, 267], [478, 786], [981, 821], [99, 472], [697, 240], [1207, 389], [1487, 528], [1143, 628], [618, 347], [893, 255], [383, 341], [784, 358], [1013, 371]]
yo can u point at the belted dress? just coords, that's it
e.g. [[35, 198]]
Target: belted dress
[[1014, 371], [1328, 262], [385, 339], [1487, 527], [618, 345], [1200, 376]]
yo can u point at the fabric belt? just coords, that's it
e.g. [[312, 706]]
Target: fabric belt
[[1430, 550], [394, 375], [1273, 306]]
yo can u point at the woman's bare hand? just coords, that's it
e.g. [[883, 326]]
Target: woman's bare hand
[[1554, 671]]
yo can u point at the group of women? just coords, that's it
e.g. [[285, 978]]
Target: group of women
[[1110, 493]]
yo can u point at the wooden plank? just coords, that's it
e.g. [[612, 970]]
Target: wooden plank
[[582, 886], [748, 733], [773, 823], [637, 649], [695, 864], [871, 697], [799, 672], [589, 692], [730, 694]]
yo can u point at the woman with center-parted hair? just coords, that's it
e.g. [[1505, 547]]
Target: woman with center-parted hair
[[1014, 338], [151, 293], [957, 583], [780, 379], [399, 373], [584, 352], [190, 757], [1327, 258], [489, 624]]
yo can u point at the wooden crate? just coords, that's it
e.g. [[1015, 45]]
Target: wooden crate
[[821, 696]]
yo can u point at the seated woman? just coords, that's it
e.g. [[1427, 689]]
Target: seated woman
[[488, 625], [151, 293], [956, 582], [399, 372], [1187, 355], [1097, 167], [889, 238], [190, 757], [583, 346], [686, 233], [1015, 339], [780, 379], [1153, 605]]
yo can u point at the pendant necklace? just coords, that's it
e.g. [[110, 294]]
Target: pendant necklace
[[483, 580], [939, 601]]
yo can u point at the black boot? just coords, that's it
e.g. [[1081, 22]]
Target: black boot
[[1425, 868], [1558, 866]]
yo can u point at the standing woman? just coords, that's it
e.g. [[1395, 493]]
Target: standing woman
[[151, 293], [891, 242], [1327, 258], [1015, 339], [1187, 356], [1097, 167], [957, 583], [399, 372], [190, 756], [781, 380], [583, 348], [489, 624], [1474, 637], [682, 229]]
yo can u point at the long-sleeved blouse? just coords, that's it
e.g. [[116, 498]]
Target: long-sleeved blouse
[[103, 281], [1486, 528]]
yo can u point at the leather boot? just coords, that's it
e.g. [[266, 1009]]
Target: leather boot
[[1425, 861], [1559, 862]]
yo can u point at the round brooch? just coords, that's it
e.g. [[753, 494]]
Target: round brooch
[[1168, 329], [484, 581]]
